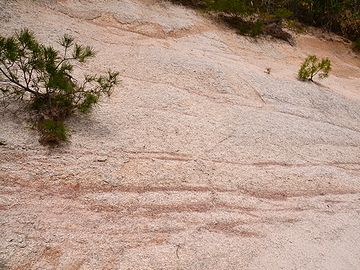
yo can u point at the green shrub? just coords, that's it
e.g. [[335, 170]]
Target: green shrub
[[339, 16], [295, 26], [247, 28], [52, 132], [256, 29], [283, 13], [313, 66], [43, 77], [236, 7], [203, 4]]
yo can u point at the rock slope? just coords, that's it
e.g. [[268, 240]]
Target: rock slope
[[200, 160]]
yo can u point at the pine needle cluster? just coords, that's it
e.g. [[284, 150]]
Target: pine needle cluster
[[43, 77]]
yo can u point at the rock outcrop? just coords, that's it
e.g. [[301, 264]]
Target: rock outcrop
[[199, 160]]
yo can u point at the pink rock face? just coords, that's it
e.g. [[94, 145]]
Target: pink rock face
[[199, 160]]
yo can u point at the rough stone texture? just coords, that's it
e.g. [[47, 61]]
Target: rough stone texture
[[200, 160]]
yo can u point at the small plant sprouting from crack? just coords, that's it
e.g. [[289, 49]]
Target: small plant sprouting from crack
[[313, 66]]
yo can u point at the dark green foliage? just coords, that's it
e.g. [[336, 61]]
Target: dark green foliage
[[243, 27], [294, 25], [313, 66], [239, 14], [202, 4], [282, 13], [52, 132], [340, 16], [235, 7], [42, 76], [89, 99]]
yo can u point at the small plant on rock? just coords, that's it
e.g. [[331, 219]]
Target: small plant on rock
[[313, 66], [43, 77]]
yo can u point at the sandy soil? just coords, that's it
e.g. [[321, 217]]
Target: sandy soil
[[200, 160]]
